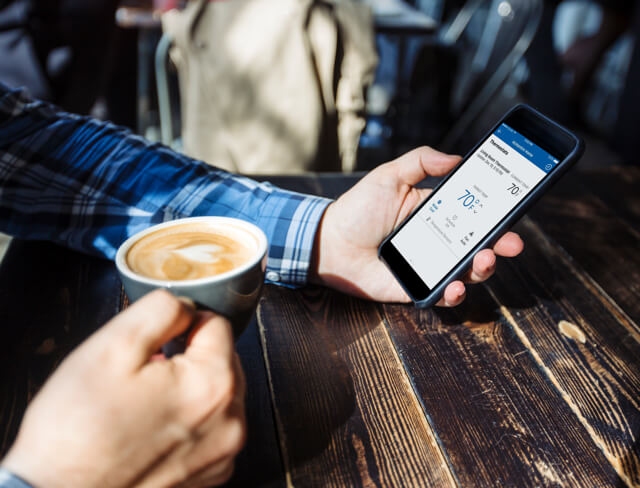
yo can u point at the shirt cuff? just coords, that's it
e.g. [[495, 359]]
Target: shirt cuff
[[292, 221], [10, 480]]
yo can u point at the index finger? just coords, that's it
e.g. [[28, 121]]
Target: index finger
[[509, 245], [212, 336]]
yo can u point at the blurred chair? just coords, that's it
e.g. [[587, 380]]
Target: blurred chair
[[269, 86], [458, 74], [509, 27], [167, 108]]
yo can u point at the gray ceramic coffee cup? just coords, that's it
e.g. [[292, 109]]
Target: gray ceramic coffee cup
[[233, 294]]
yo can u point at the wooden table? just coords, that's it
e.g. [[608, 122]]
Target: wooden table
[[534, 381]]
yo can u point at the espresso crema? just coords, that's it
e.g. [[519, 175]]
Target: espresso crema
[[189, 252]]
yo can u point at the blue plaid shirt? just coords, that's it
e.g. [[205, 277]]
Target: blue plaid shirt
[[89, 185]]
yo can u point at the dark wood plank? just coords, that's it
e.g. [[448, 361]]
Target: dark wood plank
[[578, 337], [618, 187], [306, 183], [605, 246], [260, 462], [499, 419], [334, 185], [346, 412]]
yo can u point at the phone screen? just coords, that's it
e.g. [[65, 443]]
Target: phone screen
[[477, 196]]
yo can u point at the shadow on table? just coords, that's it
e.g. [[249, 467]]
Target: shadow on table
[[313, 425], [514, 286], [477, 308], [311, 338], [260, 462]]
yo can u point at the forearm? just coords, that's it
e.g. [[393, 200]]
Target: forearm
[[89, 185]]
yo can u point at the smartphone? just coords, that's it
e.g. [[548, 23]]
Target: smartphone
[[493, 186]]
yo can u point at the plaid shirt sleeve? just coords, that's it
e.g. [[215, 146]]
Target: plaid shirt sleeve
[[10, 480], [89, 185]]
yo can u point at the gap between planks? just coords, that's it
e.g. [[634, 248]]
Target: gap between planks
[[279, 425], [416, 399]]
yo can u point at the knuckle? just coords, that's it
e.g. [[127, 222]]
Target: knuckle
[[228, 387], [216, 390], [158, 308], [242, 434], [132, 336], [225, 474], [223, 329], [163, 304], [236, 437], [169, 307]]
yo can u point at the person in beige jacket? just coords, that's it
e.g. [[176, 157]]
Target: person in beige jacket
[[273, 86]]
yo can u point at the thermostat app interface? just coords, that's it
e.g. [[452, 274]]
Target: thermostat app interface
[[505, 168]]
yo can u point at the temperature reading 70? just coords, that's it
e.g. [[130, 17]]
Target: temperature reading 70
[[514, 189], [470, 201], [468, 198]]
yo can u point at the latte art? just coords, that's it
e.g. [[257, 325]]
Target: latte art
[[188, 252]]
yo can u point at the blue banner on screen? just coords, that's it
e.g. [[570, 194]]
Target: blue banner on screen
[[534, 153]]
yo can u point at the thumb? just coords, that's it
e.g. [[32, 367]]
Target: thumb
[[144, 327], [414, 166]]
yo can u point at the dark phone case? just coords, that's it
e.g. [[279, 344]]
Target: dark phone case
[[515, 214]]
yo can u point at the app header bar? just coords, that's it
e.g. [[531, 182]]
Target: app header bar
[[534, 153]]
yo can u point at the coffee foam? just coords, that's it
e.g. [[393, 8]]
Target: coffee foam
[[191, 251]]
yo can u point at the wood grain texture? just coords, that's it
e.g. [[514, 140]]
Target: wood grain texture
[[346, 412], [618, 187], [605, 245], [600, 377], [500, 421]]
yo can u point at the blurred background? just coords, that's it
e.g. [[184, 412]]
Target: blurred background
[[288, 86]]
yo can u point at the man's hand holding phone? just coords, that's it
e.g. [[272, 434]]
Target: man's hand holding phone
[[346, 250], [472, 209]]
